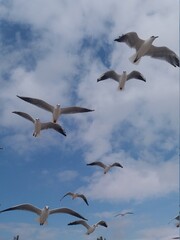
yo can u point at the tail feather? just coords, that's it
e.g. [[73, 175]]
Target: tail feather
[[133, 59]]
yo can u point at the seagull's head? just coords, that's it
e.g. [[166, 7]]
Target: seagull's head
[[46, 207], [37, 120], [124, 72], [154, 37], [58, 105]]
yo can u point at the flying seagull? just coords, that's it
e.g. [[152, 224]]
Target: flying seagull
[[121, 79], [123, 214], [175, 218], [43, 213], [75, 195], [106, 167], [176, 238], [38, 126], [90, 229], [145, 47], [55, 110]]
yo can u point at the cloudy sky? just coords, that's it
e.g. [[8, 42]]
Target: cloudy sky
[[55, 50]]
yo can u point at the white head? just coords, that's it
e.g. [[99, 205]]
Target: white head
[[58, 105], [154, 37], [46, 207]]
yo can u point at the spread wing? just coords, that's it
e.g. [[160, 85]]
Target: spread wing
[[131, 39], [70, 110], [54, 126], [136, 75], [164, 53], [84, 223], [116, 164], [102, 223], [25, 115], [26, 207], [97, 163], [84, 198], [109, 74], [67, 211], [38, 102], [69, 193]]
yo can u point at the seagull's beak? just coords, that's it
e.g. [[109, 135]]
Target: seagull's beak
[[156, 36]]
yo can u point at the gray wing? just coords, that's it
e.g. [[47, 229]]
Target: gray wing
[[38, 102], [26, 207], [164, 53], [102, 223], [54, 126], [67, 211], [69, 193], [84, 198], [25, 115], [84, 223], [97, 163], [136, 75], [116, 164], [109, 74], [131, 39], [70, 110]]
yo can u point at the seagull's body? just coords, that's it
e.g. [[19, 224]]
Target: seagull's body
[[90, 229], [43, 213], [123, 214], [38, 126], [75, 195], [105, 167], [55, 110], [145, 48], [121, 79]]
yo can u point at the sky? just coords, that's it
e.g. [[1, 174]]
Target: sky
[[55, 50]]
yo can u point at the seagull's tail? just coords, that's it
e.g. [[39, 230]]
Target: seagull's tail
[[134, 59]]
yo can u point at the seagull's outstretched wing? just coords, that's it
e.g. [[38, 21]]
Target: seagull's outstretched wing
[[24, 115], [116, 164], [26, 207], [84, 223], [136, 75], [164, 53], [38, 102], [109, 74], [84, 198], [67, 211], [69, 193], [123, 214], [54, 126], [70, 110], [131, 39], [97, 163], [102, 223]]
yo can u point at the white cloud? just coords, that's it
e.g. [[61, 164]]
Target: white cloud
[[67, 175]]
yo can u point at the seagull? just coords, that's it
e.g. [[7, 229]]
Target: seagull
[[106, 167], [123, 214], [57, 110], [145, 47], [16, 237], [176, 238], [43, 213], [121, 79], [38, 126], [75, 195], [176, 218], [90, 229]]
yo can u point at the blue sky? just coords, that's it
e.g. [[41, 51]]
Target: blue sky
[[55, 51]]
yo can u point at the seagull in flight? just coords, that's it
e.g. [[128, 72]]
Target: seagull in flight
[[90, 229], [145, 48], [105, 167], [176, 218], [38, 126], [121, 79], [55, 110], [43, 213], [75, 195], [123, 214]]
